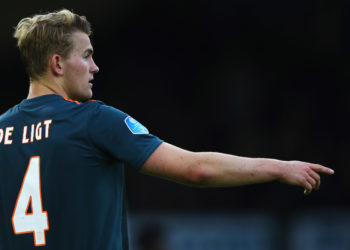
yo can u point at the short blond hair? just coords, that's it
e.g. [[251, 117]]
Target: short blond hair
[[41, 36]]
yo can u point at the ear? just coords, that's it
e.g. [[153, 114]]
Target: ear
[[56, 65]]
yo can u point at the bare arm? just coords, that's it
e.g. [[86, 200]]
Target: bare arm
[[208, 169]]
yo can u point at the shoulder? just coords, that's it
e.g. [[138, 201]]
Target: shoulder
[[107, 117], [93, 107], [99, 108], [8, 114]]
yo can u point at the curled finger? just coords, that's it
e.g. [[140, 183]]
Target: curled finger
[[317, 178], [308, 188], [312, 182]]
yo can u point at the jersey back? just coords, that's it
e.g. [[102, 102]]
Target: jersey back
[[62, 174]]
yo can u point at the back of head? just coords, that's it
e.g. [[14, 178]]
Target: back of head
[[41, 36]]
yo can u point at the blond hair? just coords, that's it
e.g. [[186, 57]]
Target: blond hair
[[41, 36]]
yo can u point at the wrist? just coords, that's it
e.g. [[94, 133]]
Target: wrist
[[278, 169]]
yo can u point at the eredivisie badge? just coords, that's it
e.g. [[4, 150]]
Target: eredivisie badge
[[134, 126]]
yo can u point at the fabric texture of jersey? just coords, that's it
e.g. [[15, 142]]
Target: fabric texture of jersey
[[82, 149]]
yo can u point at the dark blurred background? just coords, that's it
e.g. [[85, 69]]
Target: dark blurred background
[[251, 78]]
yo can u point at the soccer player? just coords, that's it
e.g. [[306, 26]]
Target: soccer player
[[62, 154]]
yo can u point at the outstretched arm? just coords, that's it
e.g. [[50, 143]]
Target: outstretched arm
[[208, 169]]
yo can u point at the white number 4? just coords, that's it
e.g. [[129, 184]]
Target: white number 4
[[35, 222]]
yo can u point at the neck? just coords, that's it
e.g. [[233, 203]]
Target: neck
[[44, 87]]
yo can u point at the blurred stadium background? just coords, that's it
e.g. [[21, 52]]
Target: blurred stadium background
[[252, 78]]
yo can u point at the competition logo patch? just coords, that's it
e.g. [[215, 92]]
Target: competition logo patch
[[134, 126]]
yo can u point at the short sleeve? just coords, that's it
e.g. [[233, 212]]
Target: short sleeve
[[120, 135]]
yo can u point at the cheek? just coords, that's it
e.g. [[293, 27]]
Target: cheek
[[78, 67], [81, 69]]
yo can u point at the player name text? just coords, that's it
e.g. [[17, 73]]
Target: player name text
[[30, 133]]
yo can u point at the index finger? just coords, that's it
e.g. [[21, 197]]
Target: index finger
[[321, 169]]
